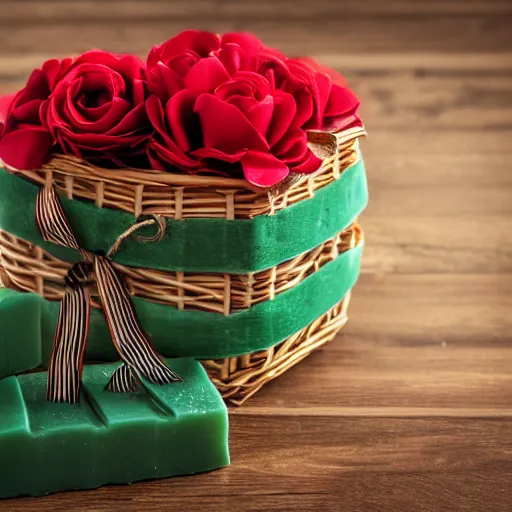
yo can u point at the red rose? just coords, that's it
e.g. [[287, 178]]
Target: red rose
[[334, 105], [24, 142], [200, 61], [96, 110], [209, 102], [202, 99]]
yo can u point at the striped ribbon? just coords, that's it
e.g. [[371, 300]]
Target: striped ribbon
[[66, 361]]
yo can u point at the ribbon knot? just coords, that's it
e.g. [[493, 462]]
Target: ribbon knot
[[78, 274], [66, 361]]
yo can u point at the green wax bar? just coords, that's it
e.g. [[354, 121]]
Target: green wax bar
[[155, 432], [20, 320]]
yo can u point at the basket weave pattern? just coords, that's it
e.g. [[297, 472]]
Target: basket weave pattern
[[239, 378], [29, 268]]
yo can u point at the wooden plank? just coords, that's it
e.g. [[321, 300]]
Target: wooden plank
[[15, 68], [458, 147], [457, 159], [442, 244], [435, 342], [438, 204], [438, 200], [308, 35], [423, 63], [383, 377], [23, 10], [457, 308], [405, 100], [318, 463], [411, 185]]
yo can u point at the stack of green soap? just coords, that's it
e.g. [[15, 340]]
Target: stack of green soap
[[158, 431]]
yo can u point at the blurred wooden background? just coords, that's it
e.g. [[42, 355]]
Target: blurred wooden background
[[411, 407]]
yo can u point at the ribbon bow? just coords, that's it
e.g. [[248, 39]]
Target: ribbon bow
[[66, 361]]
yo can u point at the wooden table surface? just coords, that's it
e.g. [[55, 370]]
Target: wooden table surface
[[410, 409]]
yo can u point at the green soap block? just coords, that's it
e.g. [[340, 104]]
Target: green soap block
[[20, 332], [109, 438]]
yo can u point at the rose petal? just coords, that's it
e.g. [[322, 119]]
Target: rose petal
[[182, 119], [27, 113], [36, 88], [226, 128], [336, 124], [164, 82], [96, 143], [324, 87], [260, 115], [96, 78], [26, 148], [138, 91], [206, 75], [166, 156], [247, 42], [316, 66], [118, 109], [263, 169], [124, 64], [241, 89], [134, 121], [54, 70], [155, 112], [274, 69], [285, 109], [92, 114], [204, 153], [304, 100], [182, 63], [200, 42], [233, 58], [154, 160], [341, 101], [50, 116], [292, 148], [310, 163]]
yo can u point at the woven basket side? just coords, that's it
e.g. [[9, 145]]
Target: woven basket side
[[27, 267], [183, 196], [239, 378]]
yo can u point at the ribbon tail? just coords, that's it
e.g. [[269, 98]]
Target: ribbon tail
[[123, 380], [66, 361], [131, 343]]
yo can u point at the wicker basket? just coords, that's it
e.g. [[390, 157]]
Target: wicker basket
[[27, 267]]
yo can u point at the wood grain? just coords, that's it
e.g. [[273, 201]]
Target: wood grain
[[24, 10], [421, 31], [330, 463], [410, 409], [444, 243]]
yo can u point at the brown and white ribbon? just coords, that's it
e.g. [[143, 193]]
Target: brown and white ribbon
[[66, 361]]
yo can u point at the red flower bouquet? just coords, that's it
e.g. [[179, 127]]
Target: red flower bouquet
[[202, 103]]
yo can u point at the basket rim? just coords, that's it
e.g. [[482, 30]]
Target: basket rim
[[323, 143]]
